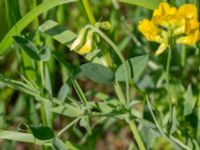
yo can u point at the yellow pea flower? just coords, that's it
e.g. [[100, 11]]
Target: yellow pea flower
[[149, 30], [79, 40], [169, 22], [87, 47], [188, 11], [164, 9]]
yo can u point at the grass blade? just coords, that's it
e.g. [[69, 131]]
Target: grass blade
[[28, 18], [150, 4], [12, 12], [21, 137]]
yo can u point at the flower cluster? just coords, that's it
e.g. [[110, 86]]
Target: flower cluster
[[85, 40], [169, 22]]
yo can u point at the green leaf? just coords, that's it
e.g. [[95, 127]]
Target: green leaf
[[67, 110], [63, 92], [48, 82], [58, 144], [26, 20], [42, 132], [98, 73], [21, 137], [29, 47], [104, 107], [189, 102], [136, 66], [174, 122], [31, 50], [44, 53], [58, 32], [150, 4]]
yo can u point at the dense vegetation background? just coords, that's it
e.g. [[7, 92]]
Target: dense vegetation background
[[58, 75]]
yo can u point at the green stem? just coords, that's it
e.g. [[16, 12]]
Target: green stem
[[42, 74], [136, 135], [88, 10], [117, 51], [79, 91], [183, 55], [106, 55], [105, 52], [109, 63], [43, 114], [117, 87], [67, 127], [167, 78], [120, 94], [162, 132]]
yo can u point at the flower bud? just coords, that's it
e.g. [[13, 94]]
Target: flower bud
[[79, 40], [87, 47], [105, 25]]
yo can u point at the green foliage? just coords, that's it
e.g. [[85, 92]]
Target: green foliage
[[42, 132], [144, 3], [136, 67], [58, 99], [28, 18], [31, 50], [98, 73], [58, 144]]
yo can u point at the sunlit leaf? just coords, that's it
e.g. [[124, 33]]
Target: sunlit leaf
[[98, 73], [136, 66]]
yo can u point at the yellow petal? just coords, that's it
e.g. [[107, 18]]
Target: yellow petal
[[149, 30], [86, 48], [164, 9], [188, 11], [79, 40], [191, 25], [161, 48], [189, 39]]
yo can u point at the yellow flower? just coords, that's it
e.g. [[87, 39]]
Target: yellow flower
[[188, 11], [87, 47], [169, 22], [149, 30], [79, 40], [164, 9]]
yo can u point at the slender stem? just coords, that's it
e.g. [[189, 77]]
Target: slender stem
[[162, 132], [43, 114], [117, 87], [109, 62], [120, 94], [136, 135], [42, 73], [68, 126], [105, 53], [79, 91], [88, 10], [183, 55], [168, 77], [117, 51]]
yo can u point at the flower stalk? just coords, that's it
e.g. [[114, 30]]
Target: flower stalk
[[169, 57], [107, 58]]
